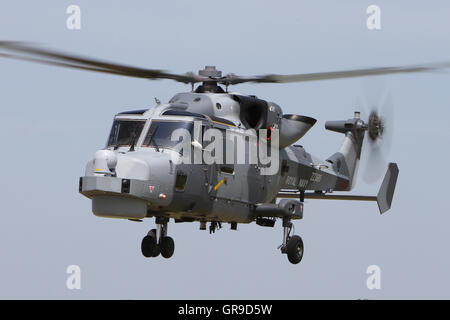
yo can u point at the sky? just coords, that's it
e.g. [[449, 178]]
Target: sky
[[53, 121]]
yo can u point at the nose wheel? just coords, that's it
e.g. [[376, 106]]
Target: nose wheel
[[167, 247], [149, 245], [157, 242]]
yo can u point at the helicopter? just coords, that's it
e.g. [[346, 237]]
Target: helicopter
[[142, 172]]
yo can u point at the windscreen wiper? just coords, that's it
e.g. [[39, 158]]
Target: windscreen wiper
[[133, 142], [116, 135], [152, 139]]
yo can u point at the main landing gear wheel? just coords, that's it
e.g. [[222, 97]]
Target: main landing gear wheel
[[167, 247], [292, 245], [149, 245], [294, 249]]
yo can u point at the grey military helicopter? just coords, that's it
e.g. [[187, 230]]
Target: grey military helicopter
[[138, 174]]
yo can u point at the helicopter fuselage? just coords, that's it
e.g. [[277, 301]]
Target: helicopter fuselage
[[179, 160], [149, 178]]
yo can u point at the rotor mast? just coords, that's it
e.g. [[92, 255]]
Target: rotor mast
[[211, 75]]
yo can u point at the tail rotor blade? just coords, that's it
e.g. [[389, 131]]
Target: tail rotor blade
[[387, 116], [378, 114]]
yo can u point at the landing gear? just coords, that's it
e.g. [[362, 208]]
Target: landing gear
[[149, 245], [294, 249], [292, 245], [215, 225], [157, 241], [167, 247]]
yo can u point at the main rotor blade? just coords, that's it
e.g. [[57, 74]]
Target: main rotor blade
[[303, 77], [35, 54], [59, 64]]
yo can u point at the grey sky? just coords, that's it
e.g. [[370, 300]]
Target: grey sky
[[53, 121]]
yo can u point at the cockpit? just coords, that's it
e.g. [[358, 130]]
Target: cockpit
[[159, 134], [126, 133], [165, 131]]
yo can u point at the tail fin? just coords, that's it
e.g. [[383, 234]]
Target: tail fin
[[346, 161], [387, 188]]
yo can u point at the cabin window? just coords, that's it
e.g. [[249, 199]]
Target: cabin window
[[180, 182], [228, 169]]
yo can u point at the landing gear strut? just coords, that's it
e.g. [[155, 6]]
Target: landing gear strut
[[157, 241], [215, 225], [292, 245]]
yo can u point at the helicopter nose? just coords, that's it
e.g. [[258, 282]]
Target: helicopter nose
[[132, 167], [105, 162]]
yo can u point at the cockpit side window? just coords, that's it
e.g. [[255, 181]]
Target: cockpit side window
[[125, 132]]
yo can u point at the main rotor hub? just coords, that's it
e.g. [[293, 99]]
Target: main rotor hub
[[210, 71], [209, 84]]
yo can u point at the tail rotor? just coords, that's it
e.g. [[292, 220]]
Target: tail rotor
[[378, 114]]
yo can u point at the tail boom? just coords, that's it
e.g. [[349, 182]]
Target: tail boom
[[345, 162]]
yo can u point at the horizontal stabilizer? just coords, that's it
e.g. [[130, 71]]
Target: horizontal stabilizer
[[383, 199]]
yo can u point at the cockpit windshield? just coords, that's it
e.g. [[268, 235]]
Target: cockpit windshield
[[160, 133], [125, 132]]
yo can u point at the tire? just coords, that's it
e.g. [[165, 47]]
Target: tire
[[149, 247], [167, 247], [155, 251], [294, 249]]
